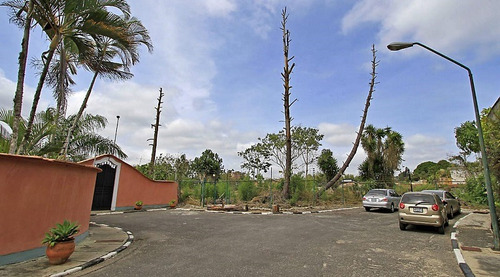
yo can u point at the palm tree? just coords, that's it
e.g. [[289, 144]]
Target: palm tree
[[23, 56], [72, 23], [102, 62], [369, 144], [43, 127], [60, 78], [384, 148], [85, 143], [393, 151]]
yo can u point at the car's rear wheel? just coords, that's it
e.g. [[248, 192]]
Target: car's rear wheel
[[441, 229], [367, 209], [451, 215], [402, 226]]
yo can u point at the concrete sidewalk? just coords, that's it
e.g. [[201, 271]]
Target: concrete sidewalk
[[102, 243], [475, 240]]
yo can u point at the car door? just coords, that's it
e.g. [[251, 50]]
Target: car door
[[452, 201], [394, 198]]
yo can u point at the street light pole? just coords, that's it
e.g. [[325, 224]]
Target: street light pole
[[491, 200], [116, 130]]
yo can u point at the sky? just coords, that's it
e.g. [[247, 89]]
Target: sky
[[219, 64]]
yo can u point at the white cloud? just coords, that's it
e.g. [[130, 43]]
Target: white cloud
[[219, 7], [339, 138], [420, 148], [448, 25], [7, 89], [338, 135], [7, 93]]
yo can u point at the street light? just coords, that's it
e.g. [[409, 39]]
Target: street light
[[116, 130], [395, 46]]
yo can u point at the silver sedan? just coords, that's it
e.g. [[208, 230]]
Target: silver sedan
[[452, 203], [382, 199]]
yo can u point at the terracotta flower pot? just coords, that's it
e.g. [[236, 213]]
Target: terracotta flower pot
[[60, 252], [137, 207]]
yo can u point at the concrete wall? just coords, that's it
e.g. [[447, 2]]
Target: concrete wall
[[35, 194], [131, 186]]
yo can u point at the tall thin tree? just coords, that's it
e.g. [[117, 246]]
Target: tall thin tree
[[155, 138], [102, 61], [287, 71], [73, 22], [23, 57], [355, 146]]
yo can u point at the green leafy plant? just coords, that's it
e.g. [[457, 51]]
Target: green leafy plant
[[172, 202], [62, 232], [138, 203], [247, 190]]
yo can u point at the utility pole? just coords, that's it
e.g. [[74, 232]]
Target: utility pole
[[155, 139]]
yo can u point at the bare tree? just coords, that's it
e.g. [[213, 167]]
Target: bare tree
[[287, 71], [155, 139], [339, 174]]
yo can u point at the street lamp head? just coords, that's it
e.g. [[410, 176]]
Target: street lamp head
[[395, 46]]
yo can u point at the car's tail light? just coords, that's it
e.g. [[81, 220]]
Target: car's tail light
[[401, 205], [435, 207], [384, 199], [364, 198]]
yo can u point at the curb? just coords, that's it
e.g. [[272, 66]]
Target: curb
[[458, 253], [229, 212], [95, 261]]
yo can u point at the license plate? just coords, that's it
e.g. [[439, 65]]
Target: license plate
[[418, 210]]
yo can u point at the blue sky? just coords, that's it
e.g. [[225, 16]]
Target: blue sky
[[219, 64]]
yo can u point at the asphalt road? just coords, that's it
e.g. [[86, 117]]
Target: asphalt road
[[339, 243]]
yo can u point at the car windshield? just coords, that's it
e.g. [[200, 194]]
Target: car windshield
[[418, 199], [376, 192]]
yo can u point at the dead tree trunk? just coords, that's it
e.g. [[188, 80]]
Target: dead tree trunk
[[287, 71], [337, 177], [155, 139]]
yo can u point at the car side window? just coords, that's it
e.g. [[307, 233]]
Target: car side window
[[438, 200], [450, 196]]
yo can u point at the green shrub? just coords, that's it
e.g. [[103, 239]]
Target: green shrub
[[474, 191], [247, 191]]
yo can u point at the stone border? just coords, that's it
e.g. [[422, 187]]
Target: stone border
[[225, 212], [95, 261], [458, 253]]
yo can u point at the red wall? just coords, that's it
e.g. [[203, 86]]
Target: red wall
[[37, 193], [134, 186]]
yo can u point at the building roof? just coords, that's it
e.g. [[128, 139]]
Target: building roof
[[495, 109]]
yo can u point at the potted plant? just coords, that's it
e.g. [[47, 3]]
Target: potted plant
[[172, 203], [60, 242], [138, 205]]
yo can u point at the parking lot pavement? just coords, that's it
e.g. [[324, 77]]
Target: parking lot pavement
[[471, 232], [475, 241]]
